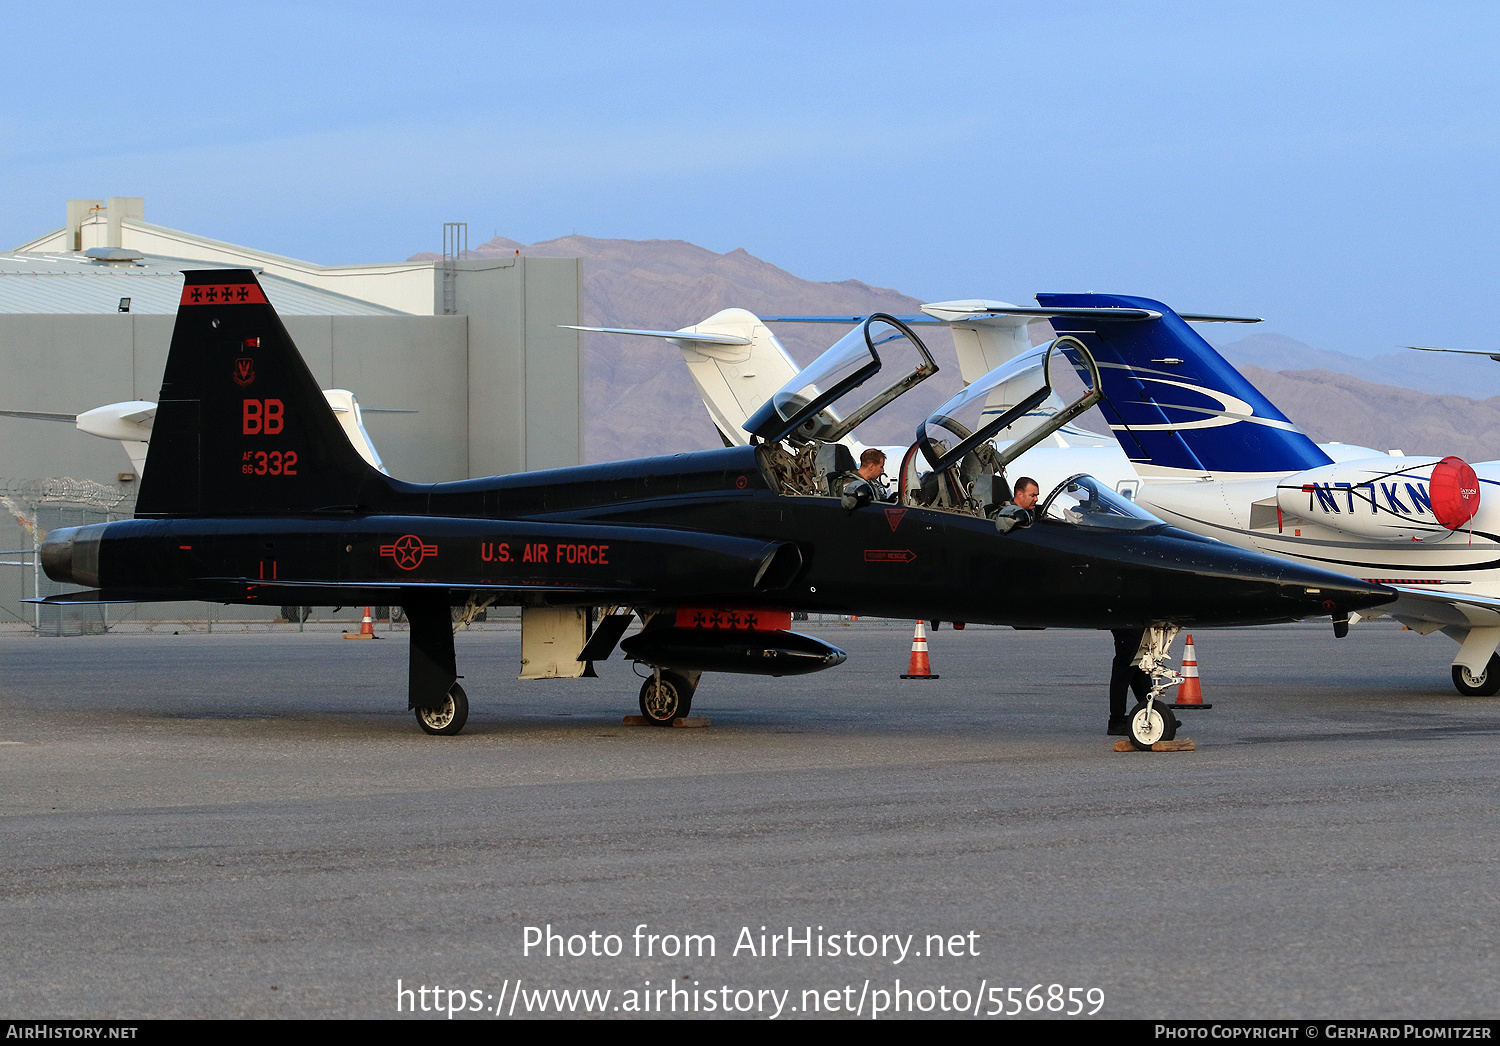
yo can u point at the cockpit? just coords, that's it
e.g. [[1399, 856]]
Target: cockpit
[[806, 430], [1083, 501]]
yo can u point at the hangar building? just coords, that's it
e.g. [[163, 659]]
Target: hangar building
[[474, 348]]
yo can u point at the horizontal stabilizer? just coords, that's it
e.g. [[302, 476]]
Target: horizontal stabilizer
[[707, 339], [1421, 348], [967, 311], [916, 318], [37, 415], [93, 596]]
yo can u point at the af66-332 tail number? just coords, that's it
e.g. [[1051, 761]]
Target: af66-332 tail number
[[265, 418], [268, 463]]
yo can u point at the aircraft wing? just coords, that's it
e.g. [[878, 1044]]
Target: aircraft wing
[[1446, 608]]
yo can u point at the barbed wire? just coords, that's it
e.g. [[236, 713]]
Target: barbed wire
[[86, 492]]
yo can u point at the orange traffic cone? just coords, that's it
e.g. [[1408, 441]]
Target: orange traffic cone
[[366, 628], [1190, 690], [920, 668]]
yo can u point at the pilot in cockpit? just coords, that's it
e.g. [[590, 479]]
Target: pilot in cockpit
[[872, 471], [1026, 494]]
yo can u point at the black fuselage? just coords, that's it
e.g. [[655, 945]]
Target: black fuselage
[[697, 528]]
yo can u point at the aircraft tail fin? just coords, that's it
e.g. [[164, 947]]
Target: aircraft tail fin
[[241, 426], [735, 361], [1173, 402]]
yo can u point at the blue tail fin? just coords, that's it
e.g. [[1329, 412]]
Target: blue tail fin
[[1173, 402]]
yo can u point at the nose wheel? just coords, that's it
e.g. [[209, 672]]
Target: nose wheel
[[665, 696], [1150, 722], [449, 717]]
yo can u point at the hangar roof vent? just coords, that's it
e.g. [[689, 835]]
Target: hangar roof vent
[[113, 254]]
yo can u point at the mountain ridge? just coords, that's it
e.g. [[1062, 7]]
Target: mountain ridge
[[639, 398]]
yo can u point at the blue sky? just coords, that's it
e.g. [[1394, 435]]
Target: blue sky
[[1330, 167]]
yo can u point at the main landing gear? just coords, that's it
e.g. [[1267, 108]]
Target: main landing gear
[[433, 690], [665, 696], [450, 717], [1485, 684]]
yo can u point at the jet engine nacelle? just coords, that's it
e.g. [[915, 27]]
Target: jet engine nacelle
[[1389, 499]]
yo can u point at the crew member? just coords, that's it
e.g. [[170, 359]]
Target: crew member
[[872, 471], [1026, 493], [1125, 675]]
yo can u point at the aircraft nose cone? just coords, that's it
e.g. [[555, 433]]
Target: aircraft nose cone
[[1231, 581]]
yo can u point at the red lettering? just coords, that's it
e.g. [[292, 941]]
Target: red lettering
[[602, 550], [491, 552], [269, 462], [263, 417]]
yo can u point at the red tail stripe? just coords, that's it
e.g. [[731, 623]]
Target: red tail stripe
[[223, 294]]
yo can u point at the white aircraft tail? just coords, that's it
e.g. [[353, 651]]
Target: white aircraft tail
[[984, 335], [735, 360]]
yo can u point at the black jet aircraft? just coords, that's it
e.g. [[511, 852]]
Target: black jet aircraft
[[253, 494]]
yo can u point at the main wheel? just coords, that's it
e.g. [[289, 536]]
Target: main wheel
[[1485, 684], [449, 717], [664, 701], [1151, 722]]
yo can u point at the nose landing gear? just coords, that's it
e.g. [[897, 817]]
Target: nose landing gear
[[1150, 722]]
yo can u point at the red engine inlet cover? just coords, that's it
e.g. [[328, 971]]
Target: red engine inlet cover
[[1455, 492]]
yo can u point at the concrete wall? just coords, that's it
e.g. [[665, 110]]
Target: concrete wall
[[69, 364], [525, 385]]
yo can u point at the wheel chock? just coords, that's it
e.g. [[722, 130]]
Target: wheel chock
[[1181, 744], [686, 724]]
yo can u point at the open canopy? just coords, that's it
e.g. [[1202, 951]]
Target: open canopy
[[1010, 396], [804, 408]]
